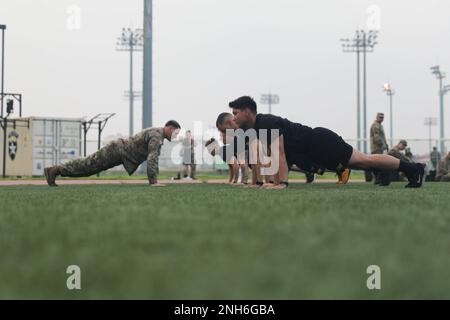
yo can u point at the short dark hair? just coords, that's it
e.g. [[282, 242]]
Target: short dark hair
[[222, 118], [244, 102], [173, 124]]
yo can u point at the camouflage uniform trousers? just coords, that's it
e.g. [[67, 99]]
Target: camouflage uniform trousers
[[107, 157], [445, 178]]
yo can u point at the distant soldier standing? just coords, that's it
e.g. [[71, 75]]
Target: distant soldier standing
[[130, 153], [188, 155], [378, 144], [435, 157], [443, 173]]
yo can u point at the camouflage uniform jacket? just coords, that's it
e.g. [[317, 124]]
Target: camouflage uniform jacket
[[145, 145], [378, 142], [395, 152]]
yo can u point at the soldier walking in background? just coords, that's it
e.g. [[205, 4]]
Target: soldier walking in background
[[130, 153], [378, 145]]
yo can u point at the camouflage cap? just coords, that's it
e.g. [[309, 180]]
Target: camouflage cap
[[403, 142]]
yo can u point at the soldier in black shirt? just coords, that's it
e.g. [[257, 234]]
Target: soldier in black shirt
[[321, 146]]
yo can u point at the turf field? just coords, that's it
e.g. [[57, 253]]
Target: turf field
[[217, 241]]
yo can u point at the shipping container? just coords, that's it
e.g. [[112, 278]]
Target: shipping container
[[35, 143]]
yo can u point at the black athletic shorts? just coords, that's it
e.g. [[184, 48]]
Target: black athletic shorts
[[325, 150], [227, 153]]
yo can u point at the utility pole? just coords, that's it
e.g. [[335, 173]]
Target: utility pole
[[147, 91], [131, 41], [363, 42], [3, 28], [430, 122], [390, 93], [3, 119], [442, 92]]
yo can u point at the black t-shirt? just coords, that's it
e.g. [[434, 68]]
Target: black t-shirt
[[296, 137], [231, 149]]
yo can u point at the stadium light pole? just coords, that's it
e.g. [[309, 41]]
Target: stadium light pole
[[445, 90], [5, 119], [368, 44], [131, 41], [363, 42], [3, 28], [353, 46], [440, 76], [430, 122], [147, 89], [270, 99], [390, 93]]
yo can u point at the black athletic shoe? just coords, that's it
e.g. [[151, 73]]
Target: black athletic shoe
[[385, 178], [416, 179], [309, 177]]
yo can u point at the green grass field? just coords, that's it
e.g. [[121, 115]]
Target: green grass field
[[217, 241]]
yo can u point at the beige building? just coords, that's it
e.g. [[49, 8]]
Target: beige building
[[35, 143]]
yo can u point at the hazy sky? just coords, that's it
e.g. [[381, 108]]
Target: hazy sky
[[208, 52]]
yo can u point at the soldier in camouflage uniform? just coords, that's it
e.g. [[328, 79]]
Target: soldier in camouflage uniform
[[378, 144], [443, 173], [397, 151], [130, 153], [435, 157]]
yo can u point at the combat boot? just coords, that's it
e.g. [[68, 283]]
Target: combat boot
[[51, 173], [385, 178], [416, 178]]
